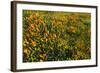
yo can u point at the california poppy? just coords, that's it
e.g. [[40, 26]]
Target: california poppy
[[33, 43]]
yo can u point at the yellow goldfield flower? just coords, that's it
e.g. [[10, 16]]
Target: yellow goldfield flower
[[37, 14], [72, 29], [42, 56], [41, 60], [26, 51], [54, 35]]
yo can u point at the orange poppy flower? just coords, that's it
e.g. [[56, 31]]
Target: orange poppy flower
[[41, 21], [31, 16], [32, 26], [33, 43]]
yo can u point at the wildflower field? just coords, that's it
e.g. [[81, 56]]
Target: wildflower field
[[56, 36]]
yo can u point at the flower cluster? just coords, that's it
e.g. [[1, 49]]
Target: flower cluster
[[56, 36]]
